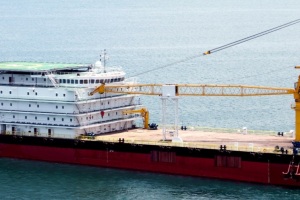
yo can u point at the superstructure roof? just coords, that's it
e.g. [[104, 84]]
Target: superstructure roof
[[38, 67]]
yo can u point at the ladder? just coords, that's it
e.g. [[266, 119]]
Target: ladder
[[53, 81], [292, 172]]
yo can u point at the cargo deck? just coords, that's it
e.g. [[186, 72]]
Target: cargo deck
[[253, 141]]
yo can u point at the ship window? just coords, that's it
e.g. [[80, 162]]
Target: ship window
[[64, 95], [115, 80], [108, 102], [70, 120], [62, 119], [63, 107], [29, 105], [60, 81], [25, 117], [35, 118], [56, 107], [1, 104], [64, 80], [72, 81], [92, 81], [48, 118], [108, 114], [76, 81], [56, 94], [68, 80], [3, 78], [101, 81], [36, 93], [85, 81], [97, 81], [32, 79], [9, 92], [44, 79], [1, 92], [119, 79], [116, 113], [54, 118], [102, 103], [111, 80], [10, 104], [13, 116], [26, 79], [81, 81], [27, 93], [38, 106]]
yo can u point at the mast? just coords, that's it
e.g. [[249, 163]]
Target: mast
[[103, 59]]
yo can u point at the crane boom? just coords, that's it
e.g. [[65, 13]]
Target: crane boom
[[144, 113], [194, 90], [208, 90]]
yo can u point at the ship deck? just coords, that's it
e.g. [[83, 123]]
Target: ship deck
[[253, 141]]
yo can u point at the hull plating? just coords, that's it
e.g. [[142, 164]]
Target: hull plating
[[249, 171]]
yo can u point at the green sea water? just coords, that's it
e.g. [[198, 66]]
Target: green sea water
[[38, 180]]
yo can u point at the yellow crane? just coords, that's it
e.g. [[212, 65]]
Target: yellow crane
[[144, 113], [208, 90]]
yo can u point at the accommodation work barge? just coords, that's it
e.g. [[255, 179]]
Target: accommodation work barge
[[48, 114]]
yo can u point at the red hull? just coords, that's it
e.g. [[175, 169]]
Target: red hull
[[257, 172]]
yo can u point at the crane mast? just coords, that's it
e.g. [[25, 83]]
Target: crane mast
[[210, 90]]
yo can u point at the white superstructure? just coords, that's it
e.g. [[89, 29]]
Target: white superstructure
[[51, 100]]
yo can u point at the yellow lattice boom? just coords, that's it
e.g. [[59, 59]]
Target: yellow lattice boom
[[194, 90]]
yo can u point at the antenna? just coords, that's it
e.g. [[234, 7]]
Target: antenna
[[103, 59]]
